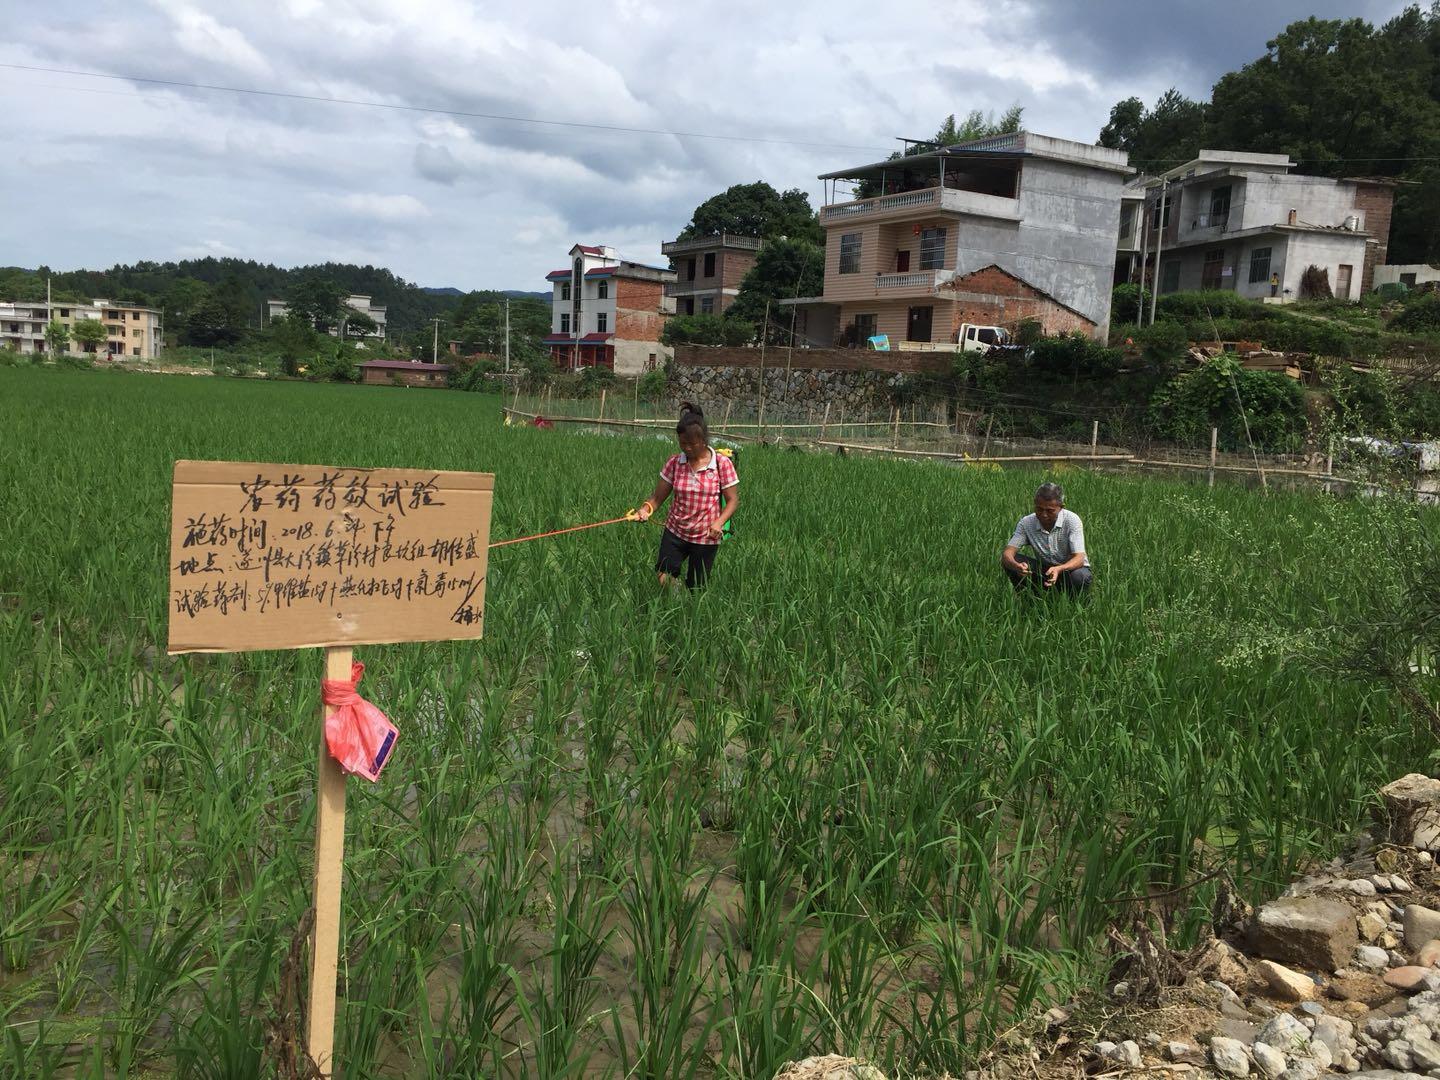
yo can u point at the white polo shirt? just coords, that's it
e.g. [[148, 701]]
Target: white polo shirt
[[1055, 545]]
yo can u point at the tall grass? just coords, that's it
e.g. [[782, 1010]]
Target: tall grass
[[854, 796]]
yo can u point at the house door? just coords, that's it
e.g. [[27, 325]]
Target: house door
[[1211, 271], [919, 324], [1342, 281], [902, 262]]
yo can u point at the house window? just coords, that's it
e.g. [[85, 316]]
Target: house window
[[1408, 280], [1161, 221], [602, 322], [135, 316], [64, 313], [689, 269], [1127, 222], [602, 290], [1259, 265], [864, 328], [709, 264], [688, 304], [650, 364], [850, 253], [137, 333], [707, 305], [565, 290], [135, 352], [1170, 276], [932, 249], [1220, 205], [564, 322]]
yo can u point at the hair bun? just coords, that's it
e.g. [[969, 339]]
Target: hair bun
[[687, 407]]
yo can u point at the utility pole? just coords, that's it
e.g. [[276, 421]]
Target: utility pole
[[435, 345], [1159, 244], [507, 335], [1144, 254]]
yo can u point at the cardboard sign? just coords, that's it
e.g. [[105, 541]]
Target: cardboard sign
[[300, 556]]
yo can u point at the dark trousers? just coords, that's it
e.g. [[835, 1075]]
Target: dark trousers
[[1071, 581], [696, 559]]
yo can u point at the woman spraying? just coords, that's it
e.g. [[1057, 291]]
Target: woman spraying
[[699, 479]]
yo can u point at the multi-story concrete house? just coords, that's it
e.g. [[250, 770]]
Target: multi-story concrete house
[[708, 271], [277, 309], [1246, 223], [132, 331], [22, 325], [608, 312], [990, 231]]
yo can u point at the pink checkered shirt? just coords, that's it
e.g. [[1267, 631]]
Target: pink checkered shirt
[[695, 504]]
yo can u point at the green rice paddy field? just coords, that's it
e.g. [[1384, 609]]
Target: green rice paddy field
[[854, 797]]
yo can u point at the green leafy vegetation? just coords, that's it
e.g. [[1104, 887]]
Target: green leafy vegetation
[[854, 795], [1340, 96]]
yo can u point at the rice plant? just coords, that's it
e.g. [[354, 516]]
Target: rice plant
[[854, 796]]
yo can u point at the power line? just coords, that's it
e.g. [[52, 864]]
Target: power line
[[469, 115]]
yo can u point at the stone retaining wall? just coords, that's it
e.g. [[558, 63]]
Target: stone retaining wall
[[850, 380]]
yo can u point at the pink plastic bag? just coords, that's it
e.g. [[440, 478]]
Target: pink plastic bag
[[359, 735]]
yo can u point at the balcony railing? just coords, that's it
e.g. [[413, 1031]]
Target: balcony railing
[[1216, 220], [913, 280], [694, 288], [702, 243], [906, 200], [922, 202]]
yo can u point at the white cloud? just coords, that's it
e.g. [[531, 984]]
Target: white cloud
[[387, 208], [453, 198], [207, 38]]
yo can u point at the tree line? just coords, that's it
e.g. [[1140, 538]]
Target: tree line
[[1341, 97]]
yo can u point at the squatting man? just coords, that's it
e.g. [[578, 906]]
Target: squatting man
[[1057, 538]]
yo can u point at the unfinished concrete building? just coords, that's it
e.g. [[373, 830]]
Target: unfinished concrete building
[[1245, 222], [911, 259]]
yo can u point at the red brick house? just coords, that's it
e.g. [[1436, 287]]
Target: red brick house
[[608, 312]]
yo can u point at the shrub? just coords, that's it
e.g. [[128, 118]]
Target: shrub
[[472, 375], [592, 379], [1029, 332], [1164, 346], [1189, 405], [653, 385], [339, 366], [1073, 356], [706, 330], [1421, 315], [1208, 304], [539, 369], [1126, 302]]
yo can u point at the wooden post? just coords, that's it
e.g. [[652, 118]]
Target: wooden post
[[1214, 440], [985, 449], [825, 420], [895, 442], [329, 860], [602, 404], [636, 416], [726, 422], [1094, 436]]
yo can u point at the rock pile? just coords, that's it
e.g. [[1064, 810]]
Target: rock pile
[[1338, 976]]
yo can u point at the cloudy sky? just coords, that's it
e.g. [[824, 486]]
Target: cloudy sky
[[440, 189]]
